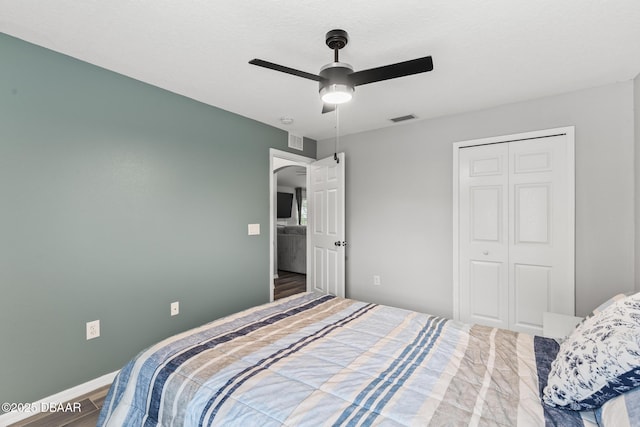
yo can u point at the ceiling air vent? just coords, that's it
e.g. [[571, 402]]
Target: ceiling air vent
[[296, 142], [403, 118]]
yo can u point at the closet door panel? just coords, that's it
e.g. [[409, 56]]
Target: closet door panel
[[539, 238], [487, 284], [531, 293], [532, 213], [483, 213]]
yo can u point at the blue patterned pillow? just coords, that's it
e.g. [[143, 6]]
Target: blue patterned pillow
[[600, 360]]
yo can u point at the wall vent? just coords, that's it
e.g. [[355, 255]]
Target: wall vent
[[296, 142], [403, 118]]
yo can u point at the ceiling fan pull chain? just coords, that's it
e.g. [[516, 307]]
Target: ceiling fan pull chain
[[335, 153]]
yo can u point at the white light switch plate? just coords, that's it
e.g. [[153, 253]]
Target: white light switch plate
[[254, 229]]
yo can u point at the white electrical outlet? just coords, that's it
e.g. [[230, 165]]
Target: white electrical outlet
[[376, 280], [175, 308], [93, 329]]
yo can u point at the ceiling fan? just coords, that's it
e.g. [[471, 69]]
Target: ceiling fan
[[337, 79]]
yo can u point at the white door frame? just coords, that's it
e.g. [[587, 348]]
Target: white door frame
[[570, 132], [301, 161]]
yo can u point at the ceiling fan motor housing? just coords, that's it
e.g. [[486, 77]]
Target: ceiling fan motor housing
[[335, 73]]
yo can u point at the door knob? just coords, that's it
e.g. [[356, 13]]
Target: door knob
[[339, 243], [485, 252]]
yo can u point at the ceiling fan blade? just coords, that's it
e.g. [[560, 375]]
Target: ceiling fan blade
[[327, 108], [283, 69], [401, 69]]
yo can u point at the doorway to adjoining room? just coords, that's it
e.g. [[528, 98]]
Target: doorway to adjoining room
[[291, 231], [289, 246]]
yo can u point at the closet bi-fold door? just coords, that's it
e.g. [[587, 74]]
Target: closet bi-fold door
[[540, 237], [484, 248], [515, 207]]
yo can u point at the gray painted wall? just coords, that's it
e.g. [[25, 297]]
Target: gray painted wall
[[636, 111], [118, 198], [399, 197]]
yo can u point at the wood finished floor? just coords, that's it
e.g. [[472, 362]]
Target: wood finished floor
[[87, 416], [285, 285], [288, 284]]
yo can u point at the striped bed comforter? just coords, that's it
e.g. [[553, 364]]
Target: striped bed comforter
[[322, 360]]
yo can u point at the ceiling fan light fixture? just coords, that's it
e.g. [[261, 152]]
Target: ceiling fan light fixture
[[336, 93]]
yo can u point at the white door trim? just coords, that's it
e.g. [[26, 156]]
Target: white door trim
[[302, 161], [570, 132]]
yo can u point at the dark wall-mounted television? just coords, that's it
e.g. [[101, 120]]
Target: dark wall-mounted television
[[285, 202]]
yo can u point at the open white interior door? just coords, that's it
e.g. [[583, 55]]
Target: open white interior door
[[325, 199]]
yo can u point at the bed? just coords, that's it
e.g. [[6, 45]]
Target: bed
[[322, 360]]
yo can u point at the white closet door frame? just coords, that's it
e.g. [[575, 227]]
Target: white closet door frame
[[569, 131]]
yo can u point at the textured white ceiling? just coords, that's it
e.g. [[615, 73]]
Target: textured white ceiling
[[485, 53]]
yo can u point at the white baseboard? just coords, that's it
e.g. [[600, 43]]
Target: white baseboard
[[63, 396]]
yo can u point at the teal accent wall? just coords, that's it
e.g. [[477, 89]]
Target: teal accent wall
[[117, 198]]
